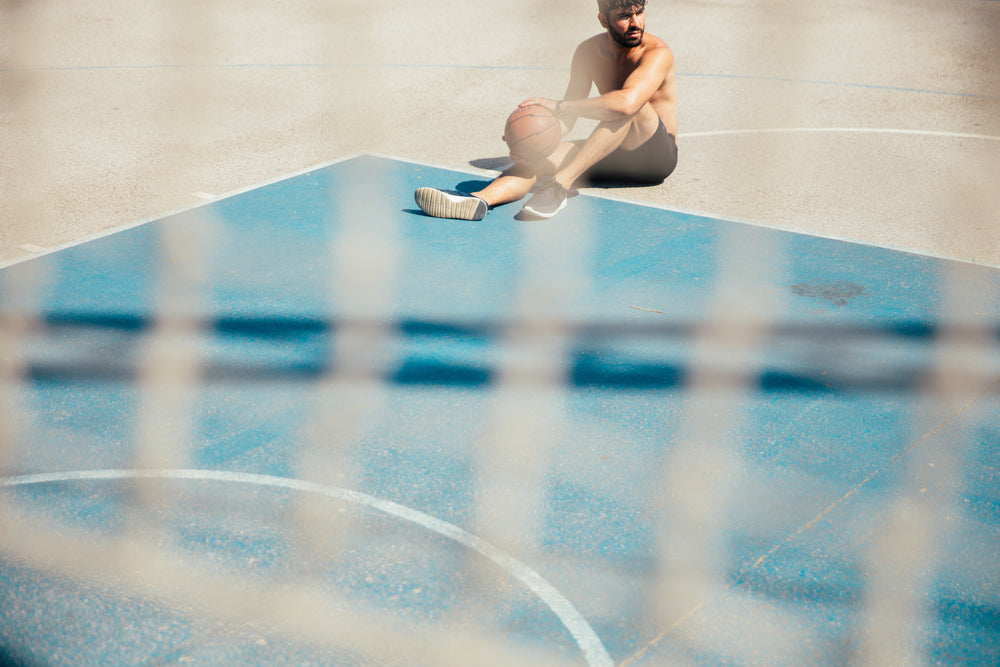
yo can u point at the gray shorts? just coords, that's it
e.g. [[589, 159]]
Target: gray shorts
[[649, 164]]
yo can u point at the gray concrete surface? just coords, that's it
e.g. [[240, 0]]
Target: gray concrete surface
[[876, 121]]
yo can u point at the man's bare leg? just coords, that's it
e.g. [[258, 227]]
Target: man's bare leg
[[567, 164], [517, 181], [608, 136], [511, 185], [628, 133]]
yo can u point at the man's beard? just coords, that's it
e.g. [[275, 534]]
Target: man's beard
[[627, 42]]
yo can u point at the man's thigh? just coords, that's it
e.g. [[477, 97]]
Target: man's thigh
[[648, 164], [548, 165]]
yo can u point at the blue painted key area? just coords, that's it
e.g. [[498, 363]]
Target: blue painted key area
[[627, 435]]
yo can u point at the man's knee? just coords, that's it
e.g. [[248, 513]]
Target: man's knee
[[644, 125]]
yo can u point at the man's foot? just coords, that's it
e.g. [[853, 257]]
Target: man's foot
[[450, 204], [548, 200]]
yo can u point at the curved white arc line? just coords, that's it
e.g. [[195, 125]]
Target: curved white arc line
[[585, 637], [859, 130]]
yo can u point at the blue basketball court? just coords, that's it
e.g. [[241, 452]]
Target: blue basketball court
[[306, 424]]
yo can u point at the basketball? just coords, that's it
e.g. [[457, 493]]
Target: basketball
[[532, 133]]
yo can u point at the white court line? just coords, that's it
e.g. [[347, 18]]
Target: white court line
[[491, 173], [585, 637], [183, 209], [859, 130], [31, 247], [598, 193]]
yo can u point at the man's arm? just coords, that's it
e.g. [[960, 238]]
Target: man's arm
[[637, 90], [578, 88]]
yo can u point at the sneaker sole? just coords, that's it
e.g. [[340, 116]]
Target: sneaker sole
[[545, 215], [438, 204]]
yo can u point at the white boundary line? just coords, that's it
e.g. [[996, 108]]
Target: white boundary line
[[854, 130], [587, 191], [183, 209], [790, 230], [596, 194], [585, 637]]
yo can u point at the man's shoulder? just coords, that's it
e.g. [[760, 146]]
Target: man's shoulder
[[654, 43], [592, 44]]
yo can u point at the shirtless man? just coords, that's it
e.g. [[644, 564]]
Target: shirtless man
[[634, 140]]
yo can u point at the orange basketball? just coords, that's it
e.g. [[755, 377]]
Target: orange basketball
[[532, 133]]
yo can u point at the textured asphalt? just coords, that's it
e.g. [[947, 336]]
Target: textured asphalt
[[874, 122]]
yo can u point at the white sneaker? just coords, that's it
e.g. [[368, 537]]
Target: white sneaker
[[450, 204]]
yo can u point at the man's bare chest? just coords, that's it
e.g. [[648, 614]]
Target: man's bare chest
[[609, 75]]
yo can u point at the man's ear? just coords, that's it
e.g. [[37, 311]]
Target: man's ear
[[603, 19]]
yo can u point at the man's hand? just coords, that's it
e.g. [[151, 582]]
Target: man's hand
[[543, 102]]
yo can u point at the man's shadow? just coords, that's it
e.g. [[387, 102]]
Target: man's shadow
[[499, 164]]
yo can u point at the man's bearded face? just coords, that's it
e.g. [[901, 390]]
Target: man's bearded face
[[627, 25]]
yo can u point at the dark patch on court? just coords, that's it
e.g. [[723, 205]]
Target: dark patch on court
[[838, 293]]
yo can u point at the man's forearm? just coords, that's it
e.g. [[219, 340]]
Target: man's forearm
[[610, 106]]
